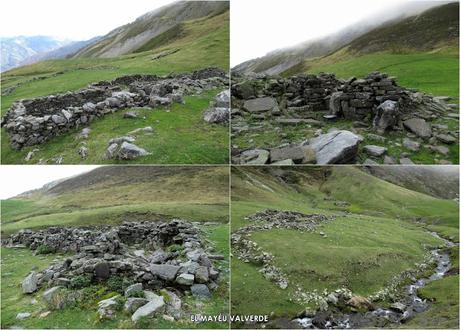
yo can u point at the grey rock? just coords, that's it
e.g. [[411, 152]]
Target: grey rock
[[121, 139], [370, 162], [386, 117], [389, 160], [222, 99], [133, 289], [185, 279], [202, 275], [411, 145], [147, 129], [262, 104], [165, 272], [29, 284], [58, 119], [102, 270], [107, 308], [23, 316], [131, 115], [255, 157], [419, 127], [217, 115], [200, 291], [399, 307], [337, 147], [51, 294], [111, 151], [406, 161], [284, 162], [83, 152], [440, 149], [153, 308], [133, 304], [445, 138], [129, 151], [375, 151]]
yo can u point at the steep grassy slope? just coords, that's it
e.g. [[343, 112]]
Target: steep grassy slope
[[203, 43], [127, 38], [372, 239], [425, 30], [114, 194], [421, 32]]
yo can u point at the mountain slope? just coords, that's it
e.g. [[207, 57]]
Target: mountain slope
[[132, 36], [15, 50], [436, 181], [420, 31], [110, 194]]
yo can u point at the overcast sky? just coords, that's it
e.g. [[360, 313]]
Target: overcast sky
[[18, 179], [75, 20], [260, 26]]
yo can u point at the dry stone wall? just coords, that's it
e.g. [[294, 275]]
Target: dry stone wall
[[34, 121]]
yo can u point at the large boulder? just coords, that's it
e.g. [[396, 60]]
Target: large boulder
[[419, 127], [338, 147], [217, 115], [29, 284], [261, 104], [387, 116], [165, 272], [151, 309]]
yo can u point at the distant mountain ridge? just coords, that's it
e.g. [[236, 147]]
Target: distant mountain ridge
[[15, 50], [420, 27]]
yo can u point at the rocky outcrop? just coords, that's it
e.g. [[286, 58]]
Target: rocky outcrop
[[35, 121]]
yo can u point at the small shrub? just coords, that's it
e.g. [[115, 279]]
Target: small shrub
[[80, 281], [44, 249], [118, 284], [175, 248], [139, 294]]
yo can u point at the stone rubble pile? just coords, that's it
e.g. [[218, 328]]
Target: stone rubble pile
[[173, 256], [375, 104], [34, 121]]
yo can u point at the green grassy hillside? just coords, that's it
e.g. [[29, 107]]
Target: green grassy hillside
[[180, 137], [200, 195], [378, 233]]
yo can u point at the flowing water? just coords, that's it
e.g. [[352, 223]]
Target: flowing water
[[411, 303]]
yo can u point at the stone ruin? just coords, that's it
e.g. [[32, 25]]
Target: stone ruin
[[247, 250], [139, 251], [374, 103], [35, 121]]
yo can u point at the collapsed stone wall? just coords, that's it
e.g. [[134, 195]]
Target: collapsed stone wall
[[34, 121], [311, 96], [375, 103], [102, 252]]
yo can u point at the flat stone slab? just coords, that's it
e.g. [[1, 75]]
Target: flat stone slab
[[418, 126], [337, 147], [261, 104]]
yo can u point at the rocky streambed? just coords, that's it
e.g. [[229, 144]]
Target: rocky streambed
[[405, 308]]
